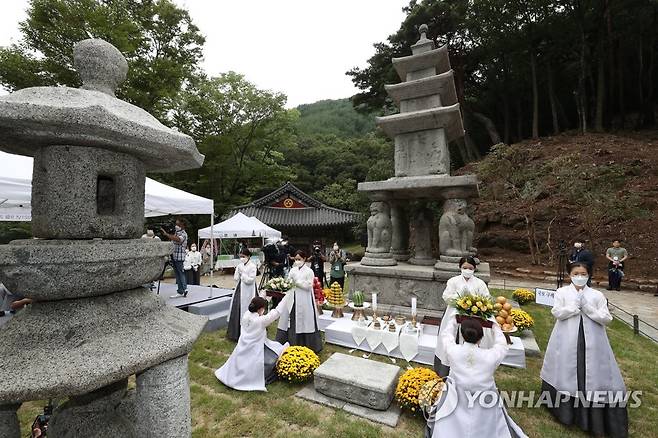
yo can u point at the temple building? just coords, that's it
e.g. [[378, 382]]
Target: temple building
[[301, 218]]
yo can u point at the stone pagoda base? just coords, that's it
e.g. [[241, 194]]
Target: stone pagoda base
[[396, 285]]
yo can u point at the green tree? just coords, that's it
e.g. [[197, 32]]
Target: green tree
[[242, 131], [162, 45]]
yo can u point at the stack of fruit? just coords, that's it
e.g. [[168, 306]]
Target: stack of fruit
[[504, 316], [357, 298], [335, 296]]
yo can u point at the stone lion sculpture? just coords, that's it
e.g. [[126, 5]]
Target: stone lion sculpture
[[456, 230], [379, 228]]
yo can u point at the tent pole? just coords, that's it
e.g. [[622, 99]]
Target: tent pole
[[212, 250]]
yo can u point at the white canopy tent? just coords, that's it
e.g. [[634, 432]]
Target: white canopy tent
[[238, 227]]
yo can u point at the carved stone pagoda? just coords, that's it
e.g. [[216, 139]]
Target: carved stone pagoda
[[92, 324], [399, 264]]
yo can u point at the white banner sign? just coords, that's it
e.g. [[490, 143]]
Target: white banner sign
[[544, 296]]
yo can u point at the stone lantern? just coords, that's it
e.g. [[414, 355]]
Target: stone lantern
[[93, 325], [429, 119]]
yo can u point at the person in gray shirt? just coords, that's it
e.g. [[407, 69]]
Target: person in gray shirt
[[616, 256]]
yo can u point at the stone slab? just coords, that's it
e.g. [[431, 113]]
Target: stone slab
[[422, 153], [389, 417], [89, 343], [530, 343], [63, 269], [435, 187], [356, 380]]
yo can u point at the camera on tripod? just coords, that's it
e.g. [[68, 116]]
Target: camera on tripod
[[168, 227], [270, 251]]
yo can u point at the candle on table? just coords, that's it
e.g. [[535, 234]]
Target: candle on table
[[374, 301], [413, 305]]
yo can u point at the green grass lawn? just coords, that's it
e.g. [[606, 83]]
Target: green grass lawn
[[221, 412]]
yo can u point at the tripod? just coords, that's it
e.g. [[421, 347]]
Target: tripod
[[267, 275], [164, 268]]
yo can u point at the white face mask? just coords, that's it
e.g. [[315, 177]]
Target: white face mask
[[244, 259], [577, 245], [467, 273], [193, 248], [177, 228], [298, 263], [579, 280], [335, 247]]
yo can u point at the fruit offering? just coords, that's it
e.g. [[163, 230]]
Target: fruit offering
[[504, 314], [335, 296], [317, 291], [357, 297]]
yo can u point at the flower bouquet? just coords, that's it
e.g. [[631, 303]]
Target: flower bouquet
[[297, 364], [278, 286], [474, 306]]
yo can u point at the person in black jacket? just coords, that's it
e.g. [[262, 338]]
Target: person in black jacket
[[583, 255]]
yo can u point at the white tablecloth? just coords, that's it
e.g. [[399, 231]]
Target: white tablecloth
[[340, 332]]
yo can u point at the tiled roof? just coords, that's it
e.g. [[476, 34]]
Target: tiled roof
[[315, 214]]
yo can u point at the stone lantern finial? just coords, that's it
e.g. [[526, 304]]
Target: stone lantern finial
[[101, 66], [423, 31]]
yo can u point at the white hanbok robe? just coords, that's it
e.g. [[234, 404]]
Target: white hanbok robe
[[306, 318], [559, 368], [245, 273], [472, 369], [244, 369], [456, 286]]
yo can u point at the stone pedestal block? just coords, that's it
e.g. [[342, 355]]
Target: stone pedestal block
[[84, 193], [163, 400], [398, 284], [445, 270], [359, 381], [9, 425], [95, 414]]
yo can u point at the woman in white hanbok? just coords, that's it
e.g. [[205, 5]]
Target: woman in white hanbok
[[300, 326], [465, 283], [579, 365], [245, 290], [252, 364], [471, 370]]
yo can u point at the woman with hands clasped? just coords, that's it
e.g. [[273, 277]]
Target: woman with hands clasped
[[300, 325], [245, 290], [580, 374]]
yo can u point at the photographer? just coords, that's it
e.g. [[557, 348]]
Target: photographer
[[317, 261], [285, 258], [338, 261], [179, 238]]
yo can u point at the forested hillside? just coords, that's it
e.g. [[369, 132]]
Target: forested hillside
[[334, 117]]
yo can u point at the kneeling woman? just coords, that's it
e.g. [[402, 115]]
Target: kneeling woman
[[466, 282], [471, 371], [251, 366], [580, 373], [300, 326], [245, 291]]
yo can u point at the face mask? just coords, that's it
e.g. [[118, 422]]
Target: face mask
[[335, 247], [579, 280], [467, 273], [244, 259], [193, 248], [177, 228], [284, 243], [298, 263], [577, 245]]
